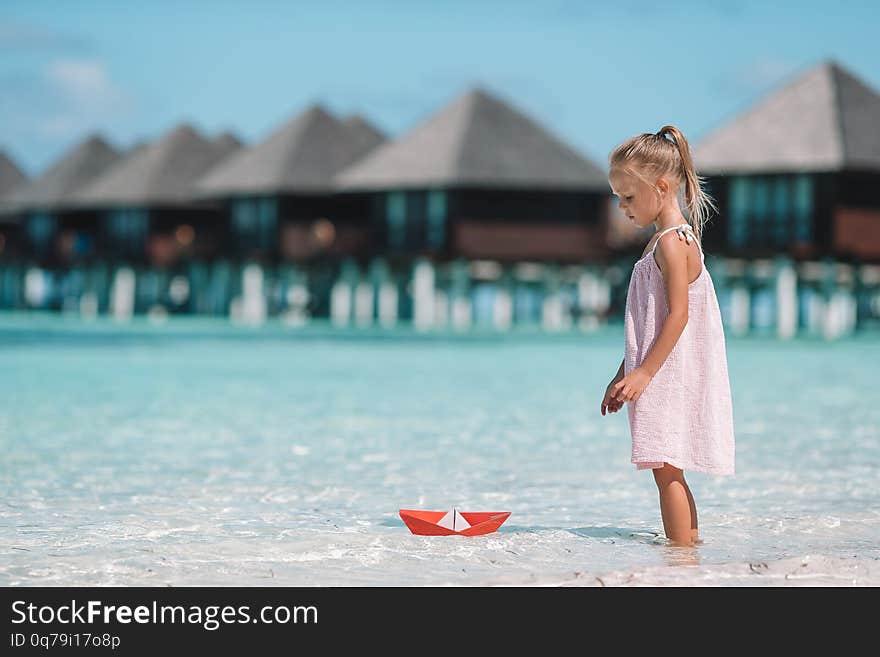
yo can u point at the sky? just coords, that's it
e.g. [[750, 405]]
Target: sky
[[593, 73]]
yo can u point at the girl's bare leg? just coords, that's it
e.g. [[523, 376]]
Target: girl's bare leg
[[676, 505], [694, 532]]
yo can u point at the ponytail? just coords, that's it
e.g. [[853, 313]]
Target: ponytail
[[699, 203]]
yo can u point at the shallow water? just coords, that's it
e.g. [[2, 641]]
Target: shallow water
[[197, 453]]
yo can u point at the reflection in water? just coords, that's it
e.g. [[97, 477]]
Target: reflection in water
[[681, 554]]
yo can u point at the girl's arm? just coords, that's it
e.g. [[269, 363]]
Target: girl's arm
[[619, 375], [673, 258]]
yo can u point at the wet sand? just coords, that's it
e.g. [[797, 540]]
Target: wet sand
[[807, 570]]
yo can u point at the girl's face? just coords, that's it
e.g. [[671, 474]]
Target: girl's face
[[638, 200]]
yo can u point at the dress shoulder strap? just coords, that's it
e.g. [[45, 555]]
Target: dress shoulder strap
[[685, 229]]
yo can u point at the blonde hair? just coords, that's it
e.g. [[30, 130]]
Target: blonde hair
[[651, 156]]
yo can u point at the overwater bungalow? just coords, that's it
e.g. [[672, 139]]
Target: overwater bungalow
[[481, 180], [288, 232], [144, 204], [12, 179], [53, 233], [480, 206], [278, 193], [797, 173], [795, 177]]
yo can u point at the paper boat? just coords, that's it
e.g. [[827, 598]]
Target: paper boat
[[444, 523]]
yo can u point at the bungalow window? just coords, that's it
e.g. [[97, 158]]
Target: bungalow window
[[803, 208], [127, 229], [395, 215], [436, 218], [781, 210], [244, 218], [267, 221], [255, 221], [41, 227], [761, 191], [739, 207]]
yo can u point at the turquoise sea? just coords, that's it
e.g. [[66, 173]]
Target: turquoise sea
[[199, 453]]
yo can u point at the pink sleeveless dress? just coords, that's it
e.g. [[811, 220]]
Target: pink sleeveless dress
[[684, 416]]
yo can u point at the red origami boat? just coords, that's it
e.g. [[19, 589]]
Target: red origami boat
[[445, 523]]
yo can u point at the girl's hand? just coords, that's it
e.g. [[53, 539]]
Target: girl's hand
[[609, 402], [630, 387]]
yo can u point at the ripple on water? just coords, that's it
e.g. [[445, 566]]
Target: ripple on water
[[290, 463]]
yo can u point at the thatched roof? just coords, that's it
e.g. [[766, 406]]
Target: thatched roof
[[11, 177], [478, 141], [365, 133], [74, 170], [824, 120], [301, 156], [136, 148], [162, 173], [226, 144]]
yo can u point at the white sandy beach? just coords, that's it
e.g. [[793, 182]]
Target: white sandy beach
[[807, 570]]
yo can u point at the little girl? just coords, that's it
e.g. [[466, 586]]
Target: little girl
[[674, 373]]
